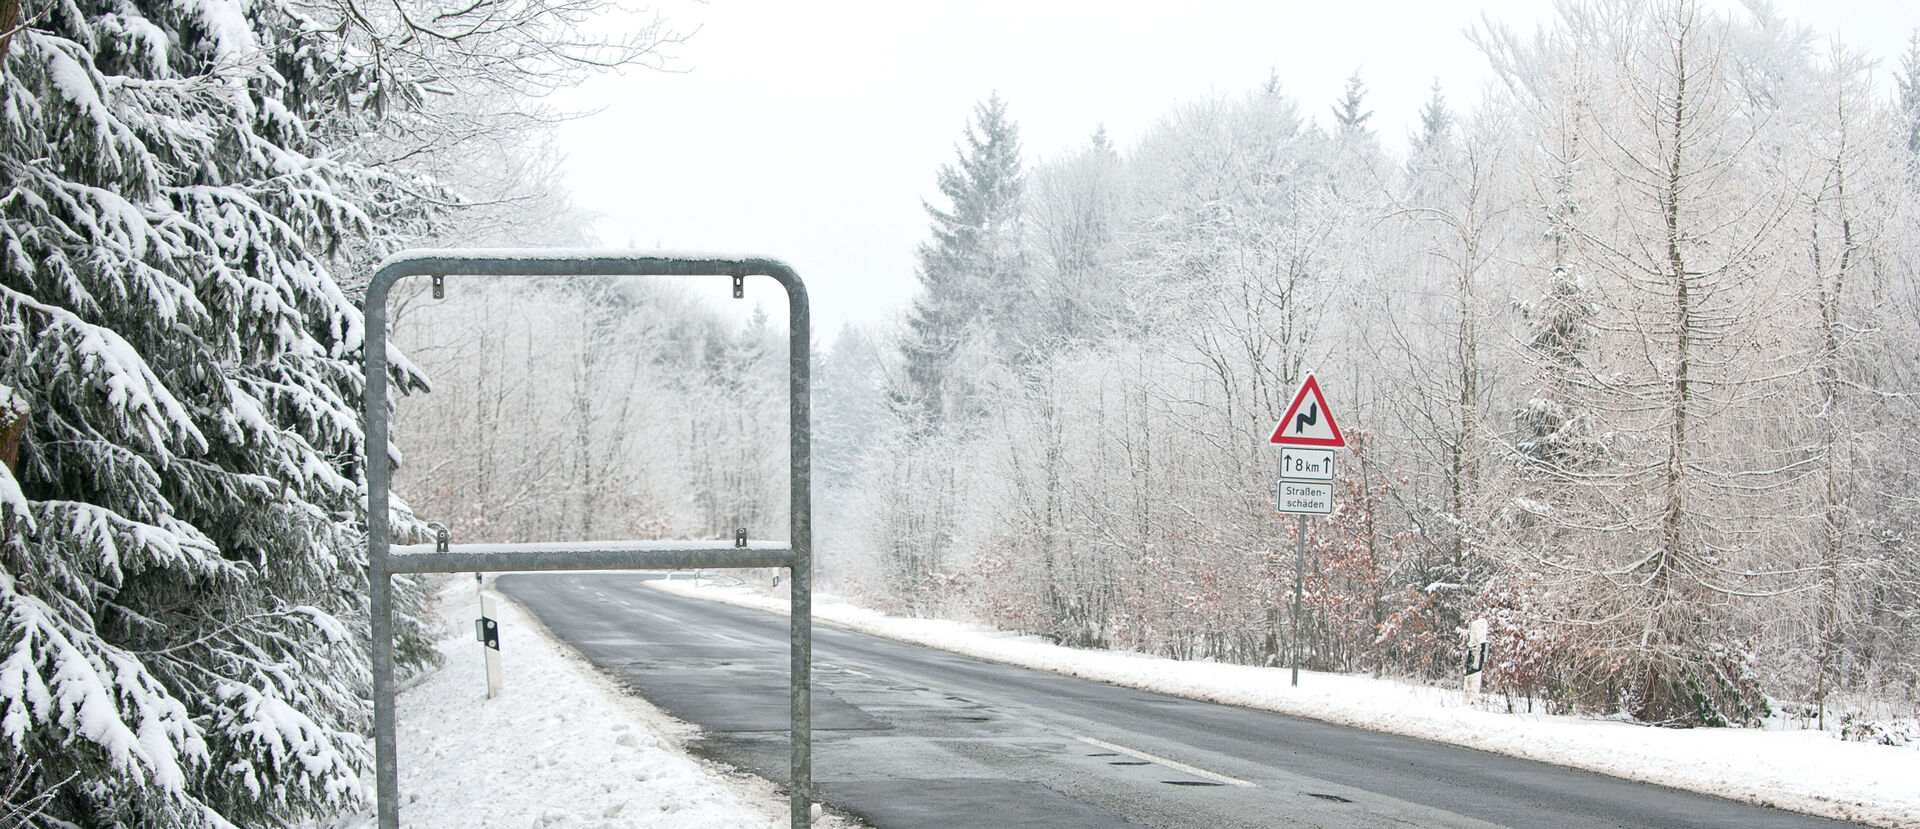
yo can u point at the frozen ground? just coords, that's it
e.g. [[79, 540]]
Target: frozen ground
[[1803, 770], [563, 746]]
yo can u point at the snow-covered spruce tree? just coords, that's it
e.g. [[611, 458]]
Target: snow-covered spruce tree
[[970, 272], [962, 329], [180, 577]]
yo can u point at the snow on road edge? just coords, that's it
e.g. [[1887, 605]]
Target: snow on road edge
[[1804, 771], [562, 746]]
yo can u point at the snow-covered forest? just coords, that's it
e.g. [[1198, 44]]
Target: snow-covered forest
[[1624, 356], [190, 194], [594, 409]]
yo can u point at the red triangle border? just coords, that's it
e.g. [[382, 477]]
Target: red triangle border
[[1311, 386]]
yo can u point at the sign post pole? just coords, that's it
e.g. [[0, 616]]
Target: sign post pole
[[1299, 578]]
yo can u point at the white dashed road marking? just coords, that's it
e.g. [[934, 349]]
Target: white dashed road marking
[[1172, 764]]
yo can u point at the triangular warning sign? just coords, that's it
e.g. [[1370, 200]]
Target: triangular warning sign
[[1308, 422]]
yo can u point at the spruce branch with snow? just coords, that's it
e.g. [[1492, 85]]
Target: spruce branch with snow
[[182, 565]]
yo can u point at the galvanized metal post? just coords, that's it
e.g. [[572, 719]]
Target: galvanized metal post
[[800, 586], [383, 561], [1299, 576], [379, 587]]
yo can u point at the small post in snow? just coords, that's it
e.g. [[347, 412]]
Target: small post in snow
[[488, 632], [1476, 660]]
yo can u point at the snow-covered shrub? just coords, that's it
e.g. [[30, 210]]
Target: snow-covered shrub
[[1902, 731]]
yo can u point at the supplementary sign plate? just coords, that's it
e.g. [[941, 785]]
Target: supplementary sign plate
[[1306, 497], [1300, 464]]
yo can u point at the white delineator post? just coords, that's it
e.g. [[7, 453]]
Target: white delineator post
[[488, 631], [1476, 659]]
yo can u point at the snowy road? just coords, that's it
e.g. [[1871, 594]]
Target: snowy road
[[911, 737]]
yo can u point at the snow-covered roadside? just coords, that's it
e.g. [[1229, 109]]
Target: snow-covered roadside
[[1805, 771], [563, 746]]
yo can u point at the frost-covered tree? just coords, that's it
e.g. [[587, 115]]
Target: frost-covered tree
[[1551, 430], [973, 319], [594, 409], [1908, 82], [1436, 126], [1075, 209], [970, 271], [1679, 526], [1444, 308], [1350, 114]]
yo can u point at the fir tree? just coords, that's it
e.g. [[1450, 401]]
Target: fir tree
[[1909, 82], [1350, 113], [970, 271], [1555, 438], [1436, 124], [182, 572]]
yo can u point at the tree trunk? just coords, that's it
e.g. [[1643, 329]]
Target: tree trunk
[[1833, 546], [9, 19], [13, 411]]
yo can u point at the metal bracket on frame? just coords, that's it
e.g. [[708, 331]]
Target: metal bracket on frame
[[384, 561]]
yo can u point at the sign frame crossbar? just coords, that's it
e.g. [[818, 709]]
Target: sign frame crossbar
[[385, 560]]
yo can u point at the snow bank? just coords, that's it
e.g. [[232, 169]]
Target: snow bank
[[563, 746], [1803, 770]]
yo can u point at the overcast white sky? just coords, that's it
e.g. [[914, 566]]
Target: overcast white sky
[[811, 131]]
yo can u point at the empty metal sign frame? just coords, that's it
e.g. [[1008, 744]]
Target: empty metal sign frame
[[384, 561]]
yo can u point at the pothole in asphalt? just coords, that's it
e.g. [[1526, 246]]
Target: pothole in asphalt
[[1127, 763], [1193, 783], [1333, 797]]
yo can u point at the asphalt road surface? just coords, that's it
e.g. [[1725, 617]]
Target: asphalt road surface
[[907, 737]]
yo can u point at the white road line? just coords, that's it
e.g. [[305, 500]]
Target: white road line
[[1172, 764], [657, 616]]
